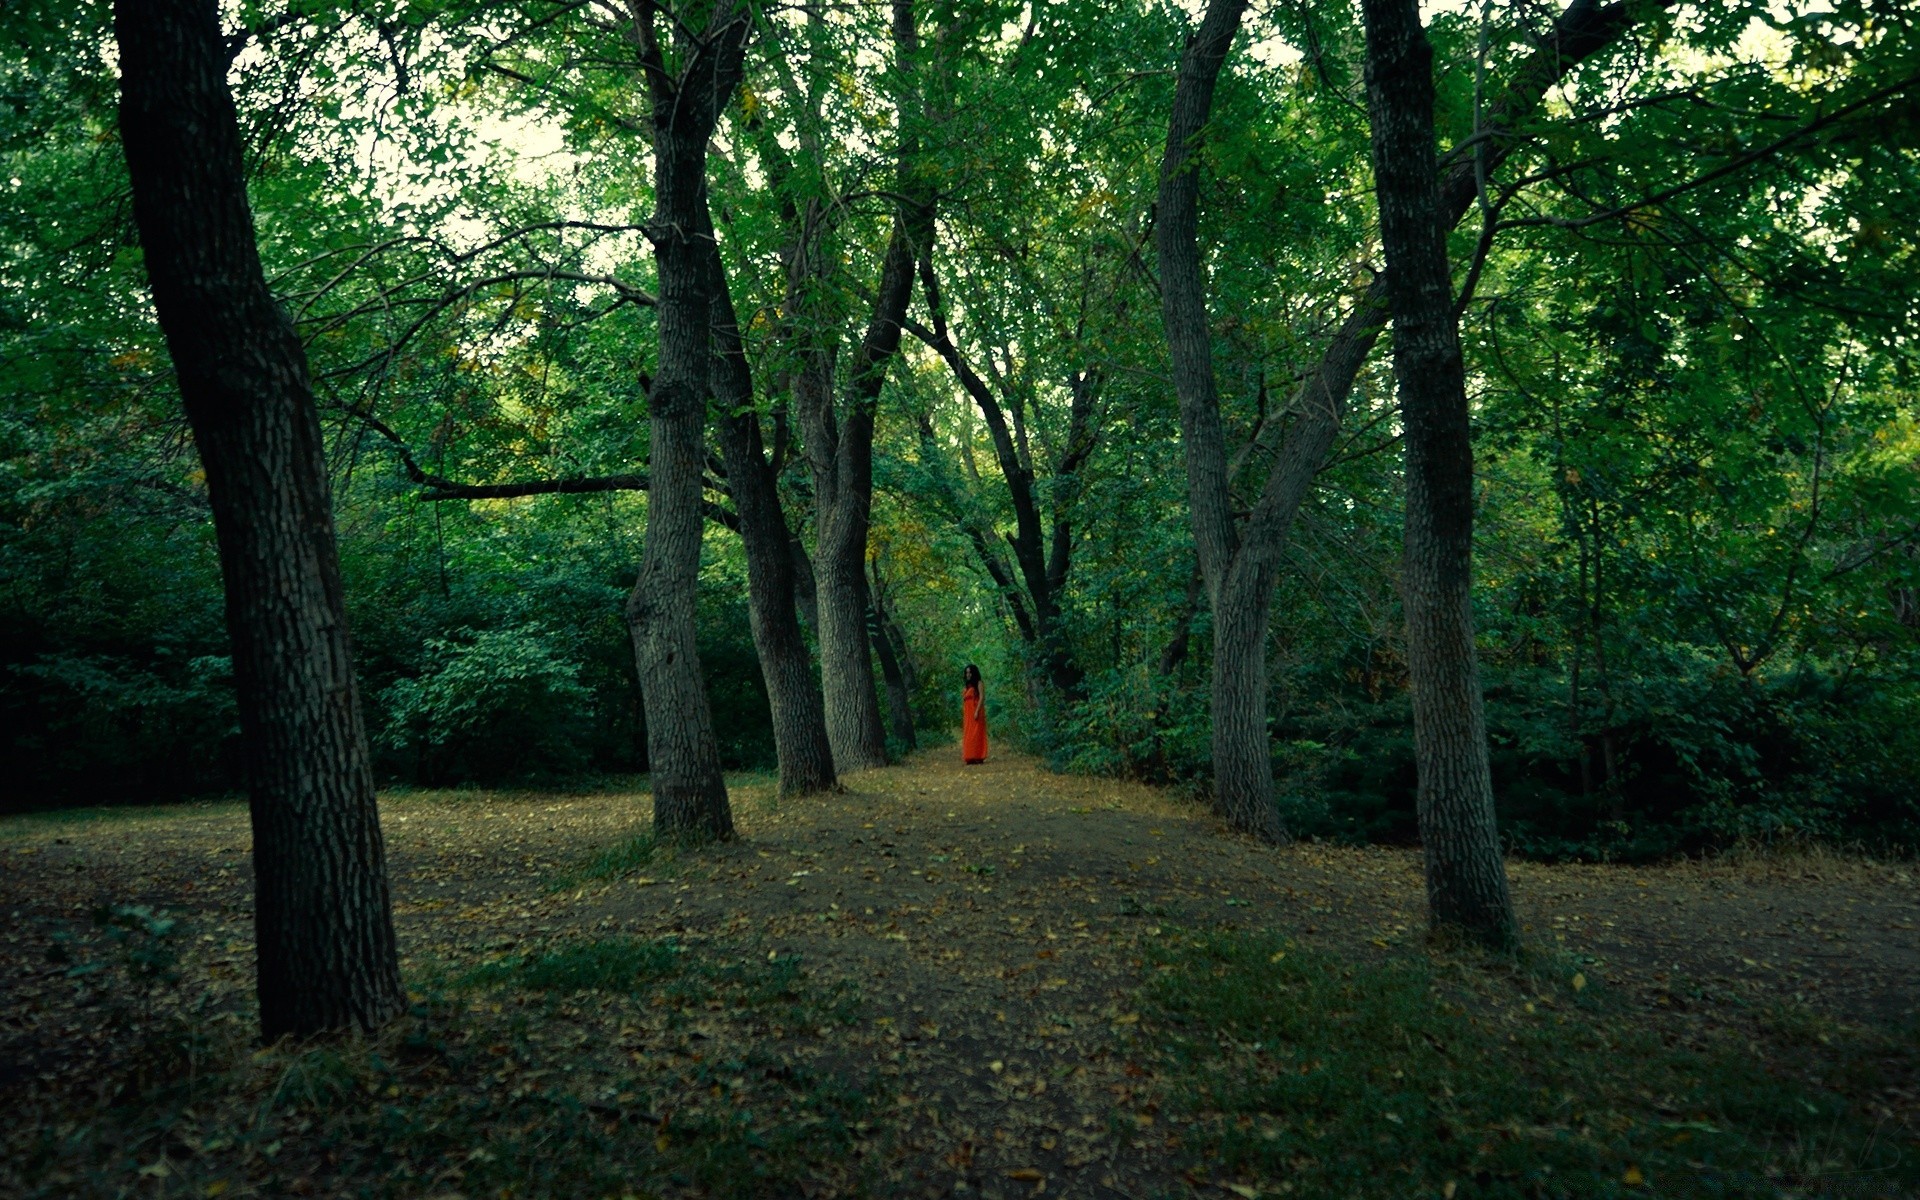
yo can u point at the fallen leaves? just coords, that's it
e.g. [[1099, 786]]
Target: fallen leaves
[[1031, 976]]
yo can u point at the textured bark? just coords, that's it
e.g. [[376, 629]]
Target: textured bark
[[1242, 767], [322, 913], [1466, 879], [793, 694], [840, 454], [1240, 564], [841, 457], [689, 795]]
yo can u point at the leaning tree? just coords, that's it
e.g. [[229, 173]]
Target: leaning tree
[[322, 913]]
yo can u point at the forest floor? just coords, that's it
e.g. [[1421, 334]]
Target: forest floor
[[947, 980]]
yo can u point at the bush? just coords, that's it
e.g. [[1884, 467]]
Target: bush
[[112, 727], [491, 705], [1697, 762], [1137, 723]]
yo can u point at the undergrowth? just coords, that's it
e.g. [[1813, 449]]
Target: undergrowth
[[1312, 1075], [618, 1067]]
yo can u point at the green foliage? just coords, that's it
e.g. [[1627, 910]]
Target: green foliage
[[1699, 761], [1137, 723], [1693, 385], [149, 942], [610, 964], [1424, 1079], [490, 704]]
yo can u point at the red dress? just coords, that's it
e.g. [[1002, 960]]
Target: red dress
[[973, 726]]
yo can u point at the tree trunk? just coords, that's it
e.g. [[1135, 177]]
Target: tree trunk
[[840, 448], [1466, 879], [323, 918], [1236, 560], [840, 455], [899, 696], [793, 694], [1242, 774], [689, 795], [1242, 747]]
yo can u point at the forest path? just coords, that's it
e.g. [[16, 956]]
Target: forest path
[[996, 922]]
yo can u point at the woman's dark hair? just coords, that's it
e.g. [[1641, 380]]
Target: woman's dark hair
[[970, 676]]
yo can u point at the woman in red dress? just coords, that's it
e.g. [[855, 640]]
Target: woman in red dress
[[973, 717]]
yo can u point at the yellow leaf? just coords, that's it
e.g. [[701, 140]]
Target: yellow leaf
[[1579, 981], [1277, 956], [1633, 1177], [217, 1187], [1243, 1189], [1027, 1174], [1447, 1192]]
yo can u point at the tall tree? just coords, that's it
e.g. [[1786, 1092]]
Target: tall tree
[[1042, 557], [793, 694], [1466, 879], [1240, 558], [689, 80], [322, 913], [1239, 571], [839, 445]]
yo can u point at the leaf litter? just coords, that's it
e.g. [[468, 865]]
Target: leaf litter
[[930, 984]]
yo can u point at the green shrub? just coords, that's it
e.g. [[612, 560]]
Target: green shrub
[[491, 704]]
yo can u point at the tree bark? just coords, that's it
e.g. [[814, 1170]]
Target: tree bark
[[1240, 565], [689, 794], [1466, 879], [1242, 769], [840, 454], [793, 694], [323, 918]]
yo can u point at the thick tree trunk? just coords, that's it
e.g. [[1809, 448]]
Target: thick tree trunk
[[1242, 747], [322, 914], [689, 794], [840, 456], [793, 694], [840, 449], [1466, 879], [855, 728]]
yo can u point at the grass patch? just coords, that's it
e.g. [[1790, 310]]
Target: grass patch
[[774, 989], [618, 1067], [608, 965], [636, 855], [630, 856], [27, 825], [1309, 1074]]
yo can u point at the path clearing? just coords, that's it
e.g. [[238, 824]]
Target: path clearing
[[991, 918]]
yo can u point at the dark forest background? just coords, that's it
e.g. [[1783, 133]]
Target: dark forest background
[[1690, 356]]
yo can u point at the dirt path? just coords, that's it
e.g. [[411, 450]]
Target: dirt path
[[992, 918]]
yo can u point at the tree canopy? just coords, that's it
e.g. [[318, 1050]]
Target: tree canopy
[[1683, 269]]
